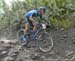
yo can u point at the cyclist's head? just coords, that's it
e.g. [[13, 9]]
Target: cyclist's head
[[42, 10]]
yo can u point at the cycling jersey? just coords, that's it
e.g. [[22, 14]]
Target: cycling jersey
[[33, 13]]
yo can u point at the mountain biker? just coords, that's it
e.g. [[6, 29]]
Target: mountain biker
[[29, 19]]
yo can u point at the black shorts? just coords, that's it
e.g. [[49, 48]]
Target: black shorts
[[28, 21]]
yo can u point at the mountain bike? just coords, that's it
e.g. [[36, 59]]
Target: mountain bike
[[42, 38]]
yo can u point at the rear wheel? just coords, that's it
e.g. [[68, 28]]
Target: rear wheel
[[45, 42]]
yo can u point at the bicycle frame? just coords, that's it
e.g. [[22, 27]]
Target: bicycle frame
[[38, 31]]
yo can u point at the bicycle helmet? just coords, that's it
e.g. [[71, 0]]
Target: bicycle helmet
[[43, 8]]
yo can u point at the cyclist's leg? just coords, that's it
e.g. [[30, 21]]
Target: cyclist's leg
[[34, 26], [27, 25], [34, 29], [26, 28], [25, 36]]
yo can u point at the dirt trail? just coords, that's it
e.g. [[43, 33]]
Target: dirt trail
[[64, 49]]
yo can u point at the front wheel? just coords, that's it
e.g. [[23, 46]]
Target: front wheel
[[45, 42]]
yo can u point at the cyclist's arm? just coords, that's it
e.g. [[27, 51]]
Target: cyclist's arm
[[31, 18]]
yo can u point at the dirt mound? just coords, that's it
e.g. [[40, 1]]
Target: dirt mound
[[64, 49]]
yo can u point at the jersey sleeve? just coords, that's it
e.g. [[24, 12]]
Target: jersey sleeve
[[30, 14]]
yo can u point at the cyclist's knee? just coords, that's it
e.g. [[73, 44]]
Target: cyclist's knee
[[35, 25]]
